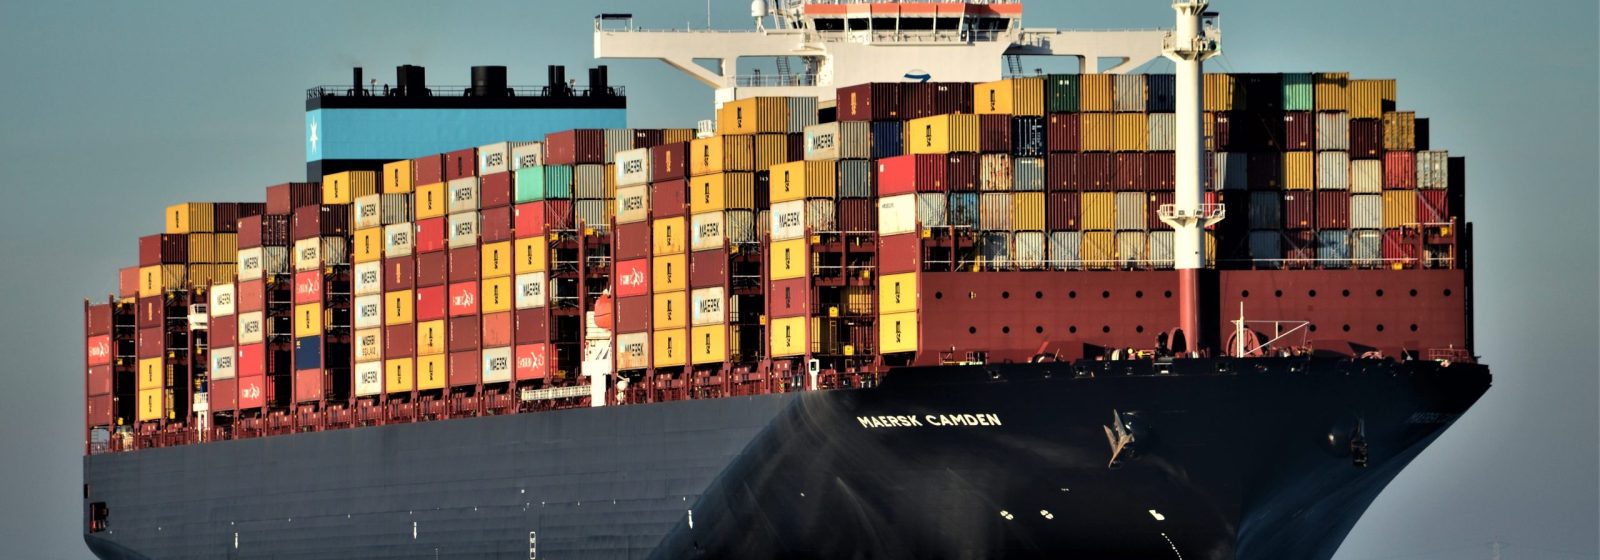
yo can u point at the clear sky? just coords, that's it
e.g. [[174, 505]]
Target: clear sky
[[113, 110]]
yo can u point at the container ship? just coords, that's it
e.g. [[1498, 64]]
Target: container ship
[[900, 299]]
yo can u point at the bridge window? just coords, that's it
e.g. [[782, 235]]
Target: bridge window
[[829, 24], [916, 24]]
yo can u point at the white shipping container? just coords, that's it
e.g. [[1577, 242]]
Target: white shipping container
[[497, 157], [739, 226], [497, 365], [369, 345], [933, 209], [1366, 176], [251, 327], [1131, 247], [1028, 249], [822, 215], [367, 278], [710, 307], [222, 300], [307, 254], [1433, 170], [633, 203], [1131, 209], [398, 240], [709, 231], [461, 195], [1160, 251], [1162, 128], [1366, 211], [1333, 171], [1064, 250], [994, 211], [530, 154], [897, 214], [335, 250], [633, 168], [462, 229], [394, 208], [633, 351], [367, 212], [224, 363], [249, 264], [1333, 131], [1229, 171], [531, 290], [368, 311], [369, 378], [788, 220], [1366, 247]]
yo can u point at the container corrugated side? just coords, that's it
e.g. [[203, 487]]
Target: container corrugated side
[[1097, 93], [1333, 131], [1333, 248], [1266, 210], [933, 209], [1299, 92], [1331, 91], [1028, 250], [1062, 93], [1027, 209], [1366, 97], [1333, 171], [855, 179], [1097, 132], [994, 172], [1027, 174], [1366, 211], [1230, 171], [1132, 132], [1131, 247], [995, 211], [1098, 210], [1130, 208], [1299, 171], [1366, 176], [1161, 132], [1400, 131], [1399, 170], [1064, 246], [802, 113], [1399, 209], [1130, 92]]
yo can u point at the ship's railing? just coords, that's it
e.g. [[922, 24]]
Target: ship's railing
[[778, 80], [464, 91]]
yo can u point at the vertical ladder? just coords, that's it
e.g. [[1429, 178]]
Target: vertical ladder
[[1013, 65]]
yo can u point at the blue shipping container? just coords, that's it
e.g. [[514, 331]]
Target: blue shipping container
[[964, 209], [1027, 136], [887, 139], [308, 353], [1163, 94], [1333, 248]]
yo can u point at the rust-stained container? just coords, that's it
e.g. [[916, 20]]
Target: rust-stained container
[[570, 147], [1063, 132], [717, 154], [1128, 172], [878, 101], [284, 198], [1023, 97], [994, 172], [1332, 212], [1433, 207], [963, 172], [1331, 91], [1333, 171], [1097, 132], [1400, 131], [1399, 209], [1300, 209], [1061, 211], [942, 134], [994, 133], [1098, 210], [1299, 171], [1400, 170], [1153, 203], [1299, 131], [1096, 93], [911, 173], [1130, 132], [1366, 138]]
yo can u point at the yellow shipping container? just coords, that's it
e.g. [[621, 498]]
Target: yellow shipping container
[[429, 202], [496, 259], [1368, 99], [155, 280], [753, 115], [1399, 208], [803, 179], [368, 245], [1299, 171], [669, 273], [1132, 132], [722, 191], [1221, 94], [788, 259], [431, 372], [430, 339], [398, 375], [1098, 210], [1331, 91], [1027, 211], [226, 248], [669, 236], [1400, 131], [667, 347], [1097, 132], [942, 134], [669, 310], [191, 217], [398, 307], [152, 405], [345, 187], [898, 333], [710, 344], [897, 293], [1098, 249], [787, 336], [771, 149], [152, 374], [1022, 97], [1096, 93], [1208, 121], [201, 247], [721, 153], [530, 254], [397, 177], [307, 320], [497, 295]]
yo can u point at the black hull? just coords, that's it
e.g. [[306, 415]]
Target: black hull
[[1235, 457]]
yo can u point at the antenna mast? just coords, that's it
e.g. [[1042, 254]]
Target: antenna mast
[[1195, 38]]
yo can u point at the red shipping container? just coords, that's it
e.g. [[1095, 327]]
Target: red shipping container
[[251, 360], [1153, 202], [308, 385], [149, 342], [275, 230], [899, 253], [1299, 131], [1400, 170], [1399, 246], [128, 282], [558, 215], [633, 314], [1222, 138], [1264, 171], [99, 381], [399, 273], [527, 220], [858, 214], [1333, 210], [308, 286], [320, 221], [669, 162], [668, 198], [495, 225], [494, 190], [163, 248], [963, 173], [632, 278], [532, 362], [430, 235], [570, 147], [249, 232], [1433, 207], [632, 241], [1300, 248], [1128, 171], [465, 333], [151, 312], [460, 164], [432, 303], [465, 263], [790, 298], [98, 350], [433, 269], [284, 198], [707, 269], [879, 101], [1160, 171], [1092, 172], [1061, 211], [250, 296], [463, 298], [97, 319], [926, 99], [532, 326], [1059, 172], [224, 394], [465, 368], [498, 329], [427, 170], [1063, 132], [224, 331], [252, 392], [98, 410], [911, 173], [994, 134], [1366, 138], [399, 341]]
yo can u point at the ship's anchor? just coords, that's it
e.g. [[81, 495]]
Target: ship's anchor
[[1122, 439]]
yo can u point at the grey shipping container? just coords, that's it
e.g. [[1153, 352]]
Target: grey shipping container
[[838, 140], [1433, 170], [1160, 254], [1130, 93], [1131, 208], [822, 215], [1266, 210], [1333, 171], [394, 209], [1366, 211], [933, 209], [740, 226], [1028, 249], [1131, 247], [589, 181], [618, 140], [1162, 131], [855, 177], [1229, 171], [592, 213], [1333, 248], [1366, 247], [1333, 131], [802, 113], [1064, 250], [1027, 174]]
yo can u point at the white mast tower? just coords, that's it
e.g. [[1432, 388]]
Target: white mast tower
[[1197, 37]]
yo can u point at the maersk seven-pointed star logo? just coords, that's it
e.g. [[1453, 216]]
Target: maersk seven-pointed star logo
[[313, 137]]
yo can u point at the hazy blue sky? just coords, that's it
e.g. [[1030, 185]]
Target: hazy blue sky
[[113, 110]]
